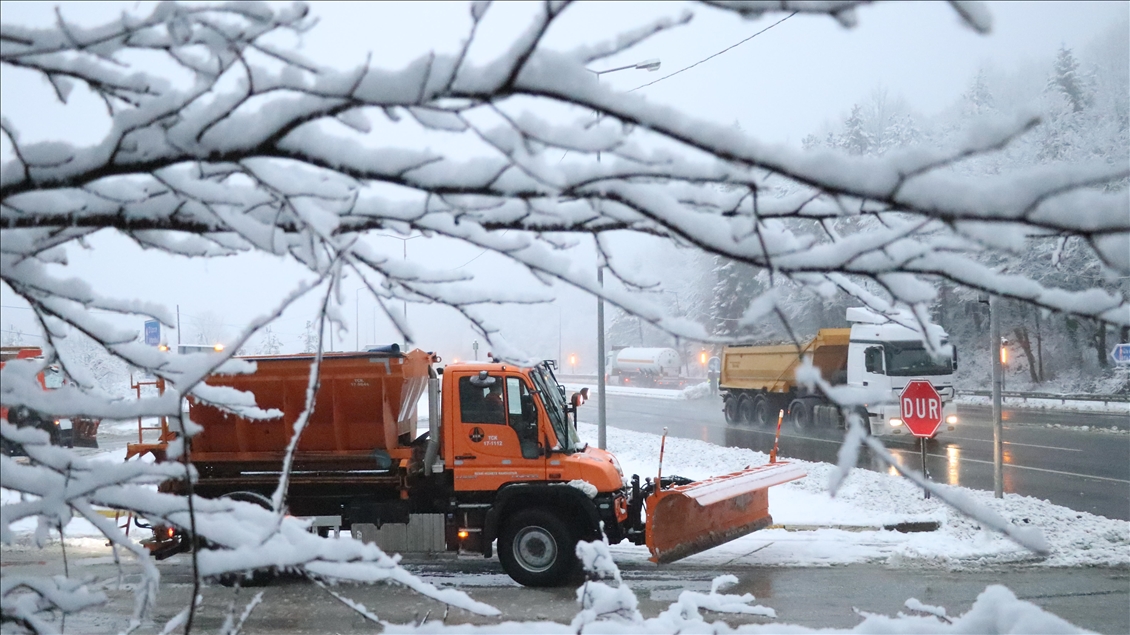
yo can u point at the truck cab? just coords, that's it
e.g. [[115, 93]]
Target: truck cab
[[888, 356]]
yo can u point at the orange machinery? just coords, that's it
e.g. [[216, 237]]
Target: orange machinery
[[82, 431], [500, 460]]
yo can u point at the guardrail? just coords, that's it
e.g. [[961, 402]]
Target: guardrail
[[1011, 394]]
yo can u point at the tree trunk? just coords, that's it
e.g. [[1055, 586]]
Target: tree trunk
[[1100, 342], [1039, 347], [1021, 335]]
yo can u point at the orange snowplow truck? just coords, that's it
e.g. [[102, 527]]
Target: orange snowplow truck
[[70, 431], [500, 461]]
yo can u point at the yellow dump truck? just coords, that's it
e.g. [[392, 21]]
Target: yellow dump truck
[[759, 381]]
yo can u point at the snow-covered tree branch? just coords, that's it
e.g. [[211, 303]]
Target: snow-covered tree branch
[[222, 139]]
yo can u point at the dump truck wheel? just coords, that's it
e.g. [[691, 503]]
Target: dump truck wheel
[[537, 549], [800, 413], [762, 411], [745, 410], [730, 409]]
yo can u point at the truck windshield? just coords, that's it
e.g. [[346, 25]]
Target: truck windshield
[[554, 402], [52, 377], [911, 358]]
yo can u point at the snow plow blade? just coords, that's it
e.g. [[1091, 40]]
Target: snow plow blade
[[688, 519]]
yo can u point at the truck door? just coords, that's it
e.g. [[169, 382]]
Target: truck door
[[496, 436]]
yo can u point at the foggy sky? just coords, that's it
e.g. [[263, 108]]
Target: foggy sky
[[779, 87]]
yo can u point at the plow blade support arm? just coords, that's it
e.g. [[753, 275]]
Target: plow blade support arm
[[688, 519]]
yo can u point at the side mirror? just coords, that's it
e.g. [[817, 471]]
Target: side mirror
[[579, 398]]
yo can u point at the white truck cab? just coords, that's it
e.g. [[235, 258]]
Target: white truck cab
[[886, 355]]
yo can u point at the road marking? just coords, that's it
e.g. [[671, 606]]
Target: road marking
[[1035, 469], [1027, 445]]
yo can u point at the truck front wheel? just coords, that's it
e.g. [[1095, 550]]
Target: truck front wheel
[[537, 549], [730, 409]]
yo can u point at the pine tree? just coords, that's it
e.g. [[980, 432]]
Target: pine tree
[[978, 99], [1066, 80], [855, 138], [736, 284]]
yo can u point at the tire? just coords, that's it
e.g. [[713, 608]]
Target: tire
[[537, 549], [800, 414], [762, 411], [864, 419], [730, 409], [745, 410]]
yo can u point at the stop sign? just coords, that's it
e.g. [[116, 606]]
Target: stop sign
[[921, 408]]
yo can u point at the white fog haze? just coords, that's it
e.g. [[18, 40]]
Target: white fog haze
[[799, 78], [863, 272]]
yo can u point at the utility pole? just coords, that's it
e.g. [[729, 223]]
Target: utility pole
[[602, 432], [995, 351]]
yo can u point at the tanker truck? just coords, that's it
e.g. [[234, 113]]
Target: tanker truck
[[757, 382], [646, 367], [500, 462]]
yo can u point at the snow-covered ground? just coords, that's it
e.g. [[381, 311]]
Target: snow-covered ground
[[848, 528], [811, 529]]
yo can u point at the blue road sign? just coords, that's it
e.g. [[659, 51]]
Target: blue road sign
[[1121, 354], [714, 365], [152, 332]]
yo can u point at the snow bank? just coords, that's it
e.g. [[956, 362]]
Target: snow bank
[[848, 528]]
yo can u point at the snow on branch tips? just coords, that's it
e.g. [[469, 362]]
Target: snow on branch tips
[[219, 138]]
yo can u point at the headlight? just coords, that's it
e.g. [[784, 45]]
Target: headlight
[[895, 423], [952, 419]]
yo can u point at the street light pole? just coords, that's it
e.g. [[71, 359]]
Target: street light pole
[[994, 348], [601, 403]]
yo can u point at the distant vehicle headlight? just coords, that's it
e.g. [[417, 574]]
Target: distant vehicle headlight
[[895, 423], [952, 419]]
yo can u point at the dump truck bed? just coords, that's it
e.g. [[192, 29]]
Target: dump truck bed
[[773, 368]]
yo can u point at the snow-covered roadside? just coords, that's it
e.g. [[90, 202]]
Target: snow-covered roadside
[[1111, 407], [869, 500]]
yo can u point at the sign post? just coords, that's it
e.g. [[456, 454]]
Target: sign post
[[921, 407]]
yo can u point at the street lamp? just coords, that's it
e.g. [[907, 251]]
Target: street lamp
[[601, 403], [404, 241]]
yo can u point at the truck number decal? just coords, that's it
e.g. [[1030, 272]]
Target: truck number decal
[[493, 440]]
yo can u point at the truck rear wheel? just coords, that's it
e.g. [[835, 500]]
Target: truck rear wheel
[[762, 415], [745, 410], [537, 549], [800, 413]]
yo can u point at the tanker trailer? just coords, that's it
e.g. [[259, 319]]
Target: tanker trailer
[[645, 367]]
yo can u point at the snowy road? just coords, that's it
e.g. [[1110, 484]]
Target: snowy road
[[1048, 455], [1092, 597]]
